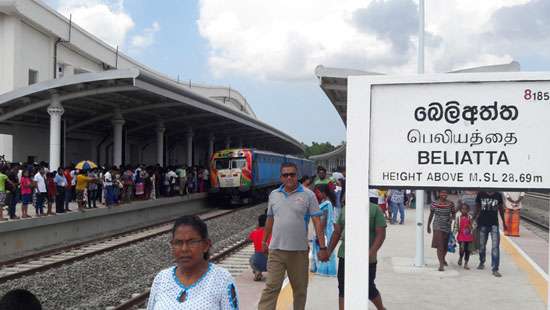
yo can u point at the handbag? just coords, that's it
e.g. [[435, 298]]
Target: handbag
[[451, 244]]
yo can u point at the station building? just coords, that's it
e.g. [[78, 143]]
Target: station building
[[66, 95], [332, 160]]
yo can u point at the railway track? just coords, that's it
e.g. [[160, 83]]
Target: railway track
[[538, 223], [537, 212], [539, 195], [234, 258], [47, 260]]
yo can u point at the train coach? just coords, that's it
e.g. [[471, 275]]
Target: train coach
[[243, 175]]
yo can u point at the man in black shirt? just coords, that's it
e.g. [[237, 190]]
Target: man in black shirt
[[488, 204]]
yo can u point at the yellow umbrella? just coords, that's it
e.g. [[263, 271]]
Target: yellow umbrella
[[86, 165]]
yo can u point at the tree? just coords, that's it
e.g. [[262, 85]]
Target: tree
[[317, 148]]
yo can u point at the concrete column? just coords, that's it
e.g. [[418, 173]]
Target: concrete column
[[118, 122], [160, 143], [196, 154], [189, 144], [93, 147], [174, 159], [56, 111], [211, 139], [227, 142]]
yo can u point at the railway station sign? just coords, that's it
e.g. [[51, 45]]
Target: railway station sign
[[481, 130]]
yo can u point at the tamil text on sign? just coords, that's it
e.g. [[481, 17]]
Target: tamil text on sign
[[490, 134]]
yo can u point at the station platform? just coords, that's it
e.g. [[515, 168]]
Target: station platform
[[73, 206], [27, 236], [523, 285]]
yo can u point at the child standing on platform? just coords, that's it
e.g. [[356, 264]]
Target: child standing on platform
[[258, 261], [463, 228]]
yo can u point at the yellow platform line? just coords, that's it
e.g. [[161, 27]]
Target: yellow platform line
[[285, 300], [535, 277], [285, 297]]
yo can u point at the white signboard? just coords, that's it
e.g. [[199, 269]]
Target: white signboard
[[480, 130], [460, 134]]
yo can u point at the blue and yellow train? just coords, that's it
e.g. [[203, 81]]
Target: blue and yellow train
[[243, 175]]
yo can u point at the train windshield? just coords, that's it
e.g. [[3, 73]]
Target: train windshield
[[222, 163], [238, 163]]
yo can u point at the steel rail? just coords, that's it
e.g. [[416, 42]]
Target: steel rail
[[50, 252], [47, 260], [535, 222]]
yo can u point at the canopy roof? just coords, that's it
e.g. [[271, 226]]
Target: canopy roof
[[90, 101], [334, 81]]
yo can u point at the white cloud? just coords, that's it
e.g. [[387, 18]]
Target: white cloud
[[286, 39], [146, 39], [105, 19]]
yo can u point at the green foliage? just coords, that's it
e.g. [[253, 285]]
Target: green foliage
[[318, 148]]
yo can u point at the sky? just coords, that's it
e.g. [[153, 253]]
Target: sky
[[268, 50]]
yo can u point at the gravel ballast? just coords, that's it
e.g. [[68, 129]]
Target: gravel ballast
[[103, 280]]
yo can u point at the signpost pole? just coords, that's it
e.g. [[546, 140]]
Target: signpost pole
[[357, 205], [419, 258], [420, 37]]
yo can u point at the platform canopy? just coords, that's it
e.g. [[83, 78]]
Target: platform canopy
[[334, 81], [91, 101]]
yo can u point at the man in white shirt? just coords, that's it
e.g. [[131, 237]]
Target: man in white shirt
[[182, 178], [512, 204], [339, 177], [41, 191], [171, 177]]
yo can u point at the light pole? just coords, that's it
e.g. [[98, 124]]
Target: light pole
[[419, 257]]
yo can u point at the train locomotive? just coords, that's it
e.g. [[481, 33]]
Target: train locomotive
[[244, 175]]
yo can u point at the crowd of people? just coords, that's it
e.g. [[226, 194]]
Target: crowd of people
[[470, 222], [303, 218], [33, 184]]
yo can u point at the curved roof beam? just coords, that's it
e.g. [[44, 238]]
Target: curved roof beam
[[72, 80], [137, 80], [46, 102], [174, 119], [130, 110], [197, 101]]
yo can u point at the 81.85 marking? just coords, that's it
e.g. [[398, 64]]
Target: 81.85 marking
[[506, 177]]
